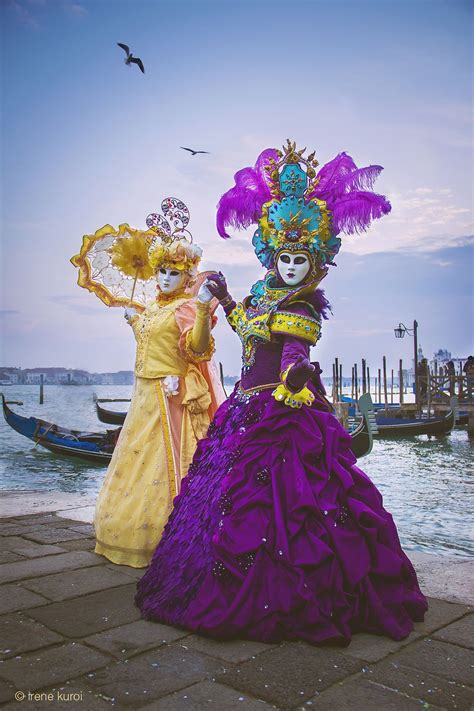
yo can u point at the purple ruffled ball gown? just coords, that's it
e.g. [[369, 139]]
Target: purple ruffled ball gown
[[277, 534]]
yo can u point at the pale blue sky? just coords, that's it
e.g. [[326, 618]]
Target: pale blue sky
[[88, 141]]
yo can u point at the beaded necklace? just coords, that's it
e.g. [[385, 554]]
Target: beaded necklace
[[163, 299]]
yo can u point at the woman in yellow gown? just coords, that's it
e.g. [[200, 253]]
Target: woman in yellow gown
[[177, 391]]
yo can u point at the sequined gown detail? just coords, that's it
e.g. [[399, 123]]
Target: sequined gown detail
[[277, 533]]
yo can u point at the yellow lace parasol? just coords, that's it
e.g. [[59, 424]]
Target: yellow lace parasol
[[118, 266], [114, 265]]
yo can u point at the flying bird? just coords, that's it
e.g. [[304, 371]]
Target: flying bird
[[130, 58], [192, 151]]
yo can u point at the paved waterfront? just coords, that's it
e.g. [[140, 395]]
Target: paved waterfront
[[68, 626]]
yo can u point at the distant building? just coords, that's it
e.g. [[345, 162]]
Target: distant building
[[442, 356], [56, 376], [106, 379], [9, 376], [63, 376], [34, 377], [123, 377]]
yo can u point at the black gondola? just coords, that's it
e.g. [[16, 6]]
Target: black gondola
[[398, 427], [93, 446], [109, 417], [99, 446], [361, 436]]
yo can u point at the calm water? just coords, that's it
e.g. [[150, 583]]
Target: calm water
[[426, 484]]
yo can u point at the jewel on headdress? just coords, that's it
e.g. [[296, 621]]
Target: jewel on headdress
[[295, 208]]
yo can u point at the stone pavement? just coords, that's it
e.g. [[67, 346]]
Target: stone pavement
[[71, 634]]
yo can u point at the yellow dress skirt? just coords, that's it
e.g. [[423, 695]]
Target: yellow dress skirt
[[155, 447]]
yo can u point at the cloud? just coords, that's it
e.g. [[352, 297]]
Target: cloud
[[422, 220], [75, 9], [8, 312], [23, 15], [442, 262], [23, 11]]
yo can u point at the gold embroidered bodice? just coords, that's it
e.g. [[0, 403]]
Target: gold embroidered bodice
[[273, 313], [157, 335], [260, 329]]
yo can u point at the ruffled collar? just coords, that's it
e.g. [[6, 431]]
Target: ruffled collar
[[272, 292], [165, 299]]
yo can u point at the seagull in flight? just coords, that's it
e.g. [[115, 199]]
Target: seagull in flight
[[130, 58], [192, 151]]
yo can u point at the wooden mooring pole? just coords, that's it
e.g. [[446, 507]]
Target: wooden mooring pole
[[41, 389], [364, 376], [356, 381], [400, 381]]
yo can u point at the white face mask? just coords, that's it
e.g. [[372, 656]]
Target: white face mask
[[170, 280], [293, 267]]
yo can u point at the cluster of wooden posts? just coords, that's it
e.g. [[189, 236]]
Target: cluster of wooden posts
[[433, 388], [381, 387]]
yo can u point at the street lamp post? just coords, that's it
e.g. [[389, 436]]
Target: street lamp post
[[400, 333]]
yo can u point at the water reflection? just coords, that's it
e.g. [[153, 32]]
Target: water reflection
[[426, 485]]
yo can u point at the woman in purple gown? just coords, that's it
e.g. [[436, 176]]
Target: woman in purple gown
[[277, 534]]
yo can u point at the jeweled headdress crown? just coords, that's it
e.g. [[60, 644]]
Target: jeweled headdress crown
[[292, 221], [296, 208]]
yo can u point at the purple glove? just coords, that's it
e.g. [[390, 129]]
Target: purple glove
[[217, 285], [299, 374]]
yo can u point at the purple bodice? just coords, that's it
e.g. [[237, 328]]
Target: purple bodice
[[266, 368], [271, 358]]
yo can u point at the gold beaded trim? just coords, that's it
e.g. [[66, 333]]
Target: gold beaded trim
[[249, 330], [165, 426], [296, 325], [257, 388], [193, 357]]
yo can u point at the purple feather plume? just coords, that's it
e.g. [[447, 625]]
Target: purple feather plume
[[241, 206], [318, 299], [330, 173], [353, 212], [346, 189]]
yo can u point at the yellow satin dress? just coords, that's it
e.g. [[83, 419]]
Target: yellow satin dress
[[159, 435]]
